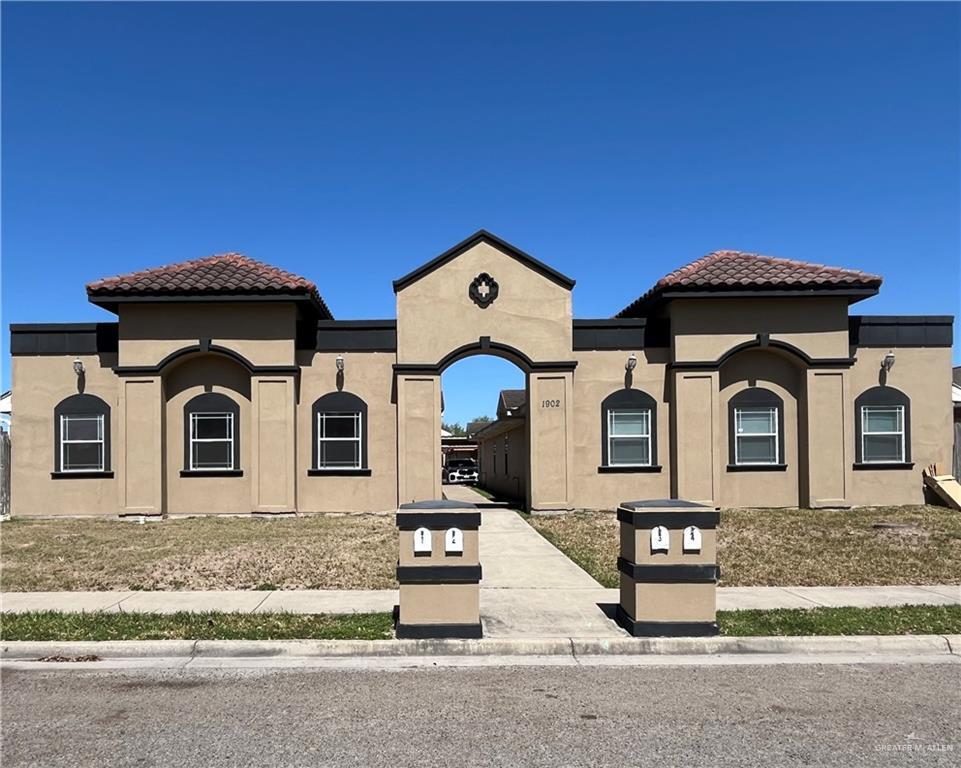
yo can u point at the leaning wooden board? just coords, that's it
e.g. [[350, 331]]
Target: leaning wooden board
[[946, 486]]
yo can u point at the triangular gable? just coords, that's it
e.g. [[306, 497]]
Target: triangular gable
[[483, 236]]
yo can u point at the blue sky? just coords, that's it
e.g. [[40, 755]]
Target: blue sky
[[351, 143]]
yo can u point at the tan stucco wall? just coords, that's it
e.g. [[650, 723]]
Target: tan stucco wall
[[435, 315], [511, 484], [369, 376], [206, 495], [262, 333], [598, 375], [924, 375], [704, 329], [767, 370], [40, 383]]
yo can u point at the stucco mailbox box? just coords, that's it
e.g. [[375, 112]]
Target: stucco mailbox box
[[439, 570], [668, 568]]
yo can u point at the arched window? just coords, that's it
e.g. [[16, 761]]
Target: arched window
[[82, 437], [211, 435], [629, 432], [882, 428], [339, 435], [756, 429]]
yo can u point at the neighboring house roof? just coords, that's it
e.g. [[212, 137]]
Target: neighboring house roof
[[6, 402], [956, 375], [483, 236], [225, 274], [725, 271], [511, 402], [475, 426]]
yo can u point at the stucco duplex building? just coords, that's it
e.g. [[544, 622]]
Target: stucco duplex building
[[224, 385]]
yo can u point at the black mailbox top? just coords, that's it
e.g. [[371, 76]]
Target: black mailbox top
[[663, 504], [438, 504]]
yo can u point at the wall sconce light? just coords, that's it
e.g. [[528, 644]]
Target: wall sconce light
[[78, 366], [340, 363], [888, 362], [631, 363]]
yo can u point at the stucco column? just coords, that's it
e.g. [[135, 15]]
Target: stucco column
[[141, 456], [697, 446], [550, 418], [418, 438], [273, 443], [829, 430]]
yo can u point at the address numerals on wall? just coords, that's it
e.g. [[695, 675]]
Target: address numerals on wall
[[550, 403]]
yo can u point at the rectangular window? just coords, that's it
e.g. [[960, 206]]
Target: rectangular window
[[81, 443], [629, 438], [755, 436], [882, 434], [507, 447], [338, 440], [211, 441]]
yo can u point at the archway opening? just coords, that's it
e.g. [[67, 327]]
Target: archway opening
[[484, 435]]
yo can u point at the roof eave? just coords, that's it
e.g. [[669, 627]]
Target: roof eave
[[482, 235], [112, 301], [656, 299]]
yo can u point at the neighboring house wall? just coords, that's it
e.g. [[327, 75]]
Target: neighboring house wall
[[504, 461]]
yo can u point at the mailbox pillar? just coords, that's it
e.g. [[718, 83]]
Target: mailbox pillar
[[668, 568], [439, 570]]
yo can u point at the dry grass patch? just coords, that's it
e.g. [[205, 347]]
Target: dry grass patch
[[794, 547], [315, 552]]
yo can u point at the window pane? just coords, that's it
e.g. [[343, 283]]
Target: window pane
[[882, 448], [82, 456], [630, 423], [882, 419], [339, 453], [211, 426], [756, 420], [211, 455], [630, 450], [340, 425], [81, 428], [753, 449]]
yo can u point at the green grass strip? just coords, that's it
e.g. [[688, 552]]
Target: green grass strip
[[51, 625], [897, 620]]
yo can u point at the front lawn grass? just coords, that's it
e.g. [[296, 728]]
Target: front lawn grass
[[793, 547], [51, 625], [898, 620], [311, 552]]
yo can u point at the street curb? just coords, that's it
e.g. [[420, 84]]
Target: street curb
[[562, 646]]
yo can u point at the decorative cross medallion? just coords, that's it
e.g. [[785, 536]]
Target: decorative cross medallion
[[483, 290]]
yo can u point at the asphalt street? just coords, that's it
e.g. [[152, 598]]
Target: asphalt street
[[788, 715]]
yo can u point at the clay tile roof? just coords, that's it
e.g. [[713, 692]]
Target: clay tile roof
[[225, 274], [735, 270]]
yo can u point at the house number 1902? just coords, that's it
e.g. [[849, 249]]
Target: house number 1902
[[550, 403]]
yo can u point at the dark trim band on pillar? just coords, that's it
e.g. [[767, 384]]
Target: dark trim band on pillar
[[438, 521], [430, 631], [664, 628], [438, 574], [661, 574], [707, 519]]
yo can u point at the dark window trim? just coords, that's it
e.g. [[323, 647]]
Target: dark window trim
[[211, 473], [883, 465], [625, 469], [211, 402], [338, 402], [754, 397], [881, 396], [81, 475], [628, 399], [83, 404], [756, 467], [339, 472]]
